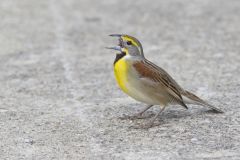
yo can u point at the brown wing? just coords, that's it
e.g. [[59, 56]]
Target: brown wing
[[149, 70]]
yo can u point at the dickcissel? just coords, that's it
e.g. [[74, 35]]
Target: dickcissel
[[146, 82]]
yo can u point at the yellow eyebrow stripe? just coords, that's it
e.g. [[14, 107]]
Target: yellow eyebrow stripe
[[131, 40]]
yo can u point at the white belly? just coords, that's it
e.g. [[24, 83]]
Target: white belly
[[142, 92]]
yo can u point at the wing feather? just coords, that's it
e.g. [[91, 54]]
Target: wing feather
[[156, 74]]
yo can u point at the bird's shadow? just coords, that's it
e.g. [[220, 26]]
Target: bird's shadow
[[170, 115]]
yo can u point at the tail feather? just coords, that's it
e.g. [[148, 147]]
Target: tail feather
[[192, 98]]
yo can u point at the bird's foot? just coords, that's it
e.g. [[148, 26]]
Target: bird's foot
[[135, 116], [146, 125], [132, 117]]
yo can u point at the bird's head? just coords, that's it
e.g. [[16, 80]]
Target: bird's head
[[128, 45]]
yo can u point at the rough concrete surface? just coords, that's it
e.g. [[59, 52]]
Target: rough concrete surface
[[58, 97]]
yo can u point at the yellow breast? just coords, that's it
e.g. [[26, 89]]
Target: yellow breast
[[121, 74]]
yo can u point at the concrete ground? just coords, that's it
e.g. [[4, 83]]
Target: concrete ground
[[58, 97]]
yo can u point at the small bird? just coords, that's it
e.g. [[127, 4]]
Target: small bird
[[146, 82]]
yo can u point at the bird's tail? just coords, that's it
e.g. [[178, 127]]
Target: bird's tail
[[191, 98]]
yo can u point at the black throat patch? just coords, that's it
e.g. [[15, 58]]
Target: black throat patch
[[119, 56]]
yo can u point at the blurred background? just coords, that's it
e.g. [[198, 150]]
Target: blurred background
[[58, 97]]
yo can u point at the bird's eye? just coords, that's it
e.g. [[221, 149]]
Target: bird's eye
[[129, 42]]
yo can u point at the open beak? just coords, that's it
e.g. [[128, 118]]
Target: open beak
[[117, 48], [120, 38], [115, 35]]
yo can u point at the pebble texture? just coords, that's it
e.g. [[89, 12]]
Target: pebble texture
[[58, 97]]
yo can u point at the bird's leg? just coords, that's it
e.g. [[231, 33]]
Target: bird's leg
[[151, 122], [144, 110], [138, 115]]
